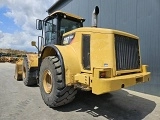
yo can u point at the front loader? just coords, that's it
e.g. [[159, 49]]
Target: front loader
[[71, 56], [26, 69]]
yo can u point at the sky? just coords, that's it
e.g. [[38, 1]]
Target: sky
[[18, 22]]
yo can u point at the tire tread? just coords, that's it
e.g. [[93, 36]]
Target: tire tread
[[63, 94], [29, 80]]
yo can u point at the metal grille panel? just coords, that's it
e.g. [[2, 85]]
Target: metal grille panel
[[127, 53]]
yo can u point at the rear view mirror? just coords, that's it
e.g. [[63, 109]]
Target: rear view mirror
[[33, 43], [39, 24]]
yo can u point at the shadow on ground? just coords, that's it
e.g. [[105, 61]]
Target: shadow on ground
[[32, 86], [119, 105]]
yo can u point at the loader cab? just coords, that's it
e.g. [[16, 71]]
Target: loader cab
[[55, 25]]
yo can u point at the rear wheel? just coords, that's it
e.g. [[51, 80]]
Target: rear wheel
[[52, 85], [28, 78]]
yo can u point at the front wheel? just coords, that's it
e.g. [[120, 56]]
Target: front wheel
[[52, 85], [27, 75]]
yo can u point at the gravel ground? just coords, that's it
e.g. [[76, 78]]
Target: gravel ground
[[18, 102]]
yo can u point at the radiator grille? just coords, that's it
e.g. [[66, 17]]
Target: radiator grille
[[127, 53]]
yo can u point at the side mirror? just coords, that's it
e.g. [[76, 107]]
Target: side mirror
[[39, 24], [33, 43]]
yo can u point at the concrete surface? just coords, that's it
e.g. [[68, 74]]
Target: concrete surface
[[18, 102]]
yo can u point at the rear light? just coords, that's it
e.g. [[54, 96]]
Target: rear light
[[102, 74]]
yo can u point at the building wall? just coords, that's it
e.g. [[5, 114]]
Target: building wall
[[139, 17]]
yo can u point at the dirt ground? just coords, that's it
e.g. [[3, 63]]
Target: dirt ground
[[18, 102]]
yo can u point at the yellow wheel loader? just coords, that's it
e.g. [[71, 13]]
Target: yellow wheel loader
[[71, 56], [26, 69]]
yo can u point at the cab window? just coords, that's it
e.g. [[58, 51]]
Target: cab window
[[50, 31], [68, 25]]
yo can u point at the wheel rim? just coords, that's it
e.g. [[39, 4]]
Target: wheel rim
[[24, 73], [47, 81]]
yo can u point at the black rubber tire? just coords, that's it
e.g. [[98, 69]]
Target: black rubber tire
[[60, 93], [28, 80]]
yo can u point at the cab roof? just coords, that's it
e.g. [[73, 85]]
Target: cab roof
[[67, 15]]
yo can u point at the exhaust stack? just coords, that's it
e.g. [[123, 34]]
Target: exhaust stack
[[95, 16]]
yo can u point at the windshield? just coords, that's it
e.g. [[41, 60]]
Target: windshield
[[50, 31], [55, 28], [68, 25]]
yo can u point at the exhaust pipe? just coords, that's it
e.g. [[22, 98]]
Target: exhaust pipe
[[95, 16]]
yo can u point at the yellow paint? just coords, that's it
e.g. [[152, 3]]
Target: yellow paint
[[33, 60], [18, 66], [102, 52], [100, 86], [83, 78], [101, 30], [144, 68], [102, 47], [71, 63], [127, 71], [102, 58]]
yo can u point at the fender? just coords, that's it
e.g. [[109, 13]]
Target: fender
[[33, 60], [68, 60], [52, 50]]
